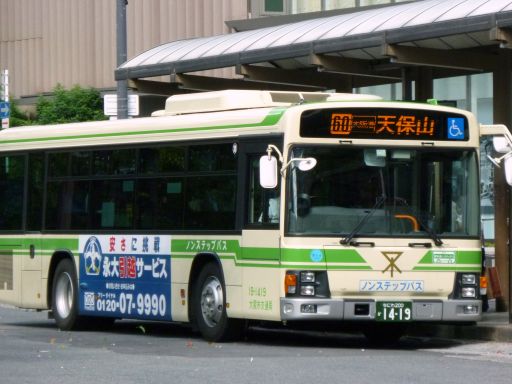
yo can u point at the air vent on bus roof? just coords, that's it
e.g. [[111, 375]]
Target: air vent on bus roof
[[242, 99]]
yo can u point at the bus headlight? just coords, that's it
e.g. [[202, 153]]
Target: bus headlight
[[307, 277], [468, 292], [307, 290], [466, 286], [306, 283], [468, 279]]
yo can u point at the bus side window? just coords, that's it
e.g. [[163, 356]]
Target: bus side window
[[12, 176], [264, 204]]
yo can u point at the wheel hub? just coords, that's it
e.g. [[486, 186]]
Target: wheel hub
[[212, 301], [64, 295]]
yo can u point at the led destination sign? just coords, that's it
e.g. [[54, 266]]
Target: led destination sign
[[384, 123]]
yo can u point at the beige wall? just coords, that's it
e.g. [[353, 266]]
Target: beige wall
[[45, 42]]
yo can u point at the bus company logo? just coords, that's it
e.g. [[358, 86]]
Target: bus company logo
[[89, 301], [92, 256], [392, 257]]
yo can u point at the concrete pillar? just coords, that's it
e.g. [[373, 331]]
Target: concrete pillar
[[424, 89], [407, 78], [502, 94]]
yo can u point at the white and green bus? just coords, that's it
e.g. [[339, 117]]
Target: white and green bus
[[237, 206]]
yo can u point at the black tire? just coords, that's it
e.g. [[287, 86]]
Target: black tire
[[384, 334], [209, 307], [65, 296]]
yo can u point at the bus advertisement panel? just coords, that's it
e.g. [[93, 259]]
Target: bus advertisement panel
[[125, 276]]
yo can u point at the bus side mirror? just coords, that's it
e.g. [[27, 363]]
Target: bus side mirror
[[508, 170], [268, 172], [501, 145]]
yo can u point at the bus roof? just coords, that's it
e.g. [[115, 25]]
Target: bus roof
[[245, 99], [186, 117]]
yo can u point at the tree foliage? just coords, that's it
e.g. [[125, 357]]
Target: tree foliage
[[68, 106], [17, 117]]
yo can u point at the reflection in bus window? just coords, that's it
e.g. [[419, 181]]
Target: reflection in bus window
[[433, 187], [12, 174]]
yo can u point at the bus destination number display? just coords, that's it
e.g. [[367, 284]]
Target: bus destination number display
[[364, 123]]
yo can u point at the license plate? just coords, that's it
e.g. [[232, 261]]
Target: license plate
[[394, 311]]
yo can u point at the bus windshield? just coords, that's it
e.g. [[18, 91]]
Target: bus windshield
[[378, 192]]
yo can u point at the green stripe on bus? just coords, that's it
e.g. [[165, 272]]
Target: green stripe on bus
[[238, 263], [224, 246], [272, 118], [475, 268], [253, 253], [47, 244], [330, 256], [469, 257], [343, 256], [349, 268], [205, 245]]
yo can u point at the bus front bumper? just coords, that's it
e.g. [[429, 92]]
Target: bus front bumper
[[365, 310]]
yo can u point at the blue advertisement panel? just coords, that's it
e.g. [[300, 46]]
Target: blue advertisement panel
[[125, 276]]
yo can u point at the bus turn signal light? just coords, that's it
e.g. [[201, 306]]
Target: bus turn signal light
[[290, 283]]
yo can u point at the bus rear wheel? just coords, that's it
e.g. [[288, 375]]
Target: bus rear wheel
[[65, 296], [209, 307]]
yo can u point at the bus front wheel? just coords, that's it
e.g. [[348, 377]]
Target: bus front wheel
[[210, 307], [65, 296]]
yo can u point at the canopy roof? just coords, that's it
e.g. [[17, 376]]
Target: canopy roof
[[359, 43]]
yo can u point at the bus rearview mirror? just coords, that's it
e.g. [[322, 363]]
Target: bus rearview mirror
[[501, 144], [268, 172]]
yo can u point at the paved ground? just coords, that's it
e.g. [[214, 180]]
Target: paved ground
[[495, 326], [33, 350]]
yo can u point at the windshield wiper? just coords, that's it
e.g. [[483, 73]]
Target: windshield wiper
[[364, 220], [433, 235]]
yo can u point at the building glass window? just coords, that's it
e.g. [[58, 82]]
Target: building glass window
[[452, 90], [274, 5], [262, 8], [386, 91]]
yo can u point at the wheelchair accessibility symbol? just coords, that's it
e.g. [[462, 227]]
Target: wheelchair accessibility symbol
[[456, 128]]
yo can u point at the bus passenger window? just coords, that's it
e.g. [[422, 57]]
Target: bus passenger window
[[12, 176]]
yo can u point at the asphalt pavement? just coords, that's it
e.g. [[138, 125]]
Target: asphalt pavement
[[494, 326]]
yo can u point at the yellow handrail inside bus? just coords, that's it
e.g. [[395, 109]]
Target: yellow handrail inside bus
[[413, 220]]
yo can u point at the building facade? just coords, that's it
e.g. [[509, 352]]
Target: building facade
[[48, 42]]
